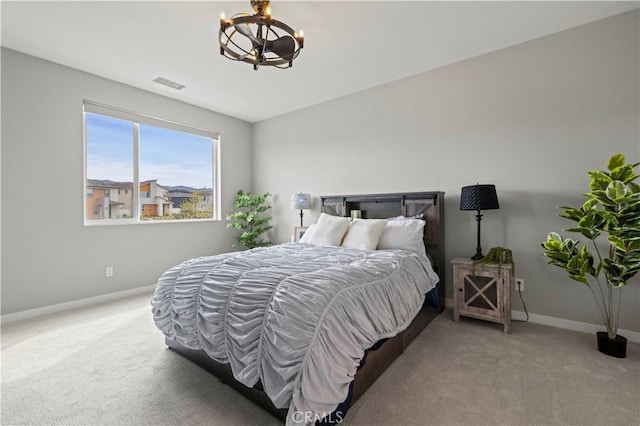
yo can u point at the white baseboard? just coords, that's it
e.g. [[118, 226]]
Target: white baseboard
[[52, 309], [584, 327]]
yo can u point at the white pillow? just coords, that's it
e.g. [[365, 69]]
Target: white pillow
[[307, 234], [364, 234], [329, 230], [405, 234], [415, 216]]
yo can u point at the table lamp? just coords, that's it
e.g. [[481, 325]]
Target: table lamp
[[301, 202], [479, 197]]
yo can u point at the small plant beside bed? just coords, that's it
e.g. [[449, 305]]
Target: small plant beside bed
[[248, 215]]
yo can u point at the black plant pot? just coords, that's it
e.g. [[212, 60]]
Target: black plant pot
[[616, 347]]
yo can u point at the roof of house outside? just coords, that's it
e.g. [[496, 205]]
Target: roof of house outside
[[180, 189]]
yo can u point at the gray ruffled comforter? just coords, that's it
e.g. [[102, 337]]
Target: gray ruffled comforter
[[294, 316]]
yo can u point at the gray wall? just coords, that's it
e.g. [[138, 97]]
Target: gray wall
[[531, 119], [48, 256]]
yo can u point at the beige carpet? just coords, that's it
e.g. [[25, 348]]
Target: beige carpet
[[107, 365]]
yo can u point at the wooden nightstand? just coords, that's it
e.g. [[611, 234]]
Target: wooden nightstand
[[482, 292]]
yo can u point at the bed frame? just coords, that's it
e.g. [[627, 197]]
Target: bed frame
[[373, 206]]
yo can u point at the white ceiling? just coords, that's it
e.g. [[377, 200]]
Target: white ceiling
[[349, 45]]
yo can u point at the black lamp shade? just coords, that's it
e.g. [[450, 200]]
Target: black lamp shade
[[479, 197]]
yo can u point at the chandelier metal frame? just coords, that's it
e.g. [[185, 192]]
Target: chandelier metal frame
[[263, 32]]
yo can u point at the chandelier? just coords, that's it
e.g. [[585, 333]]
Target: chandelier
[[259, 39]]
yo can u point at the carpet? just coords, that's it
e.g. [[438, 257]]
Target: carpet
[[107, 365]]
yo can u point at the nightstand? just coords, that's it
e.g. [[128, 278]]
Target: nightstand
[[482, 291]]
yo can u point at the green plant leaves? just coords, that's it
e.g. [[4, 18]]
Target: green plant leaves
[[248, 217], [590, 223], [612, 207], [624, 174], [617, 192], [616, 160], [572, 213], [599, 180], [618, 243], [565, 253]]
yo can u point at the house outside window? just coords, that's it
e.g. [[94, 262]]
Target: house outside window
[[136, 160]]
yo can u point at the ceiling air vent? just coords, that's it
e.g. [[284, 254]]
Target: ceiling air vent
[[169, 83]]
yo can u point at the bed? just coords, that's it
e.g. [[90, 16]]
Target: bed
[[292, 326]]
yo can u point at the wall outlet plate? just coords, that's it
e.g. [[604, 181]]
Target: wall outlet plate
[[520, 284]]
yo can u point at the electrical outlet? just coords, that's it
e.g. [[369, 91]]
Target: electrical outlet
[[108, 272], [520, 284]]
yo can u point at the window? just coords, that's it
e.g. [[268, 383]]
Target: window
[[133, 161]]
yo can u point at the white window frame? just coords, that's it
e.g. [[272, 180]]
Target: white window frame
[[137, 119]]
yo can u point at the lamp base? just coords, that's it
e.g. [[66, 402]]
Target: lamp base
[[478, 254]]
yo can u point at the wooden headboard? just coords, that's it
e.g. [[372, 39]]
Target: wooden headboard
[[382, 206]]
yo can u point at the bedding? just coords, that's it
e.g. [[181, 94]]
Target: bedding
[[404, 234], [306, 237], [364, 234], [296, 317], [329, 230]]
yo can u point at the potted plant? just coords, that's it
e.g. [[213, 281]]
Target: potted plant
[[247, 215], [497, 256], [612, 210]]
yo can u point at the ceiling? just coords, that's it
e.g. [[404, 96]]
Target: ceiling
[[349, 45]]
